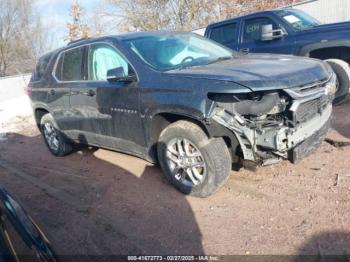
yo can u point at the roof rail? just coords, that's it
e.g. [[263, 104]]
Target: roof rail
[[77, 41]]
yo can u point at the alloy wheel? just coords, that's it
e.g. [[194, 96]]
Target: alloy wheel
[[186, 162], [51, 136]]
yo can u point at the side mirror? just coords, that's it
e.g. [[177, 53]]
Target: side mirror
[[268, 34], [115, 74]]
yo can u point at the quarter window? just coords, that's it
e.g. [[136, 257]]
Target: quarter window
[[41, 68], [252, 28], [70, 65], [103, 57], [58, 72], [224, 34]]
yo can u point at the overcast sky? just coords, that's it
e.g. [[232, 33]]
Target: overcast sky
[[55, 15]]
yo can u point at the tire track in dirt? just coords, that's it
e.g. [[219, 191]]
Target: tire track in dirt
[[53, 192]]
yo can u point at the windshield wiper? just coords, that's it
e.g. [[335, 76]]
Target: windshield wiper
[[184, 66], [195, 62], [220, 59], [198, 62]]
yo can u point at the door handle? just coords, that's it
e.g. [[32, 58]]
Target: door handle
[[244, 50], [89, 93], [52, 92]]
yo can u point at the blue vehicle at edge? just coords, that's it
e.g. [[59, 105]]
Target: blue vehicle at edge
[[289, 31]]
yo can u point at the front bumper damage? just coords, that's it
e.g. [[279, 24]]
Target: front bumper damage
[[287, 143], [310, 144], [271, 144]]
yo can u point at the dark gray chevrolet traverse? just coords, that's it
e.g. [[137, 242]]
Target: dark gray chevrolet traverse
[[181, 100]]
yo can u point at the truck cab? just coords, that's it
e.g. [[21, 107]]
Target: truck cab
[[244, 34], [289, 31]]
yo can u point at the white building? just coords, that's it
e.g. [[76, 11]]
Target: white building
[[327, 11]]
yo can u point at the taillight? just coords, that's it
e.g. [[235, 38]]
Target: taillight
[[28, 90]]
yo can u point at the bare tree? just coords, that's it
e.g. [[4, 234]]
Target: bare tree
[[9, 13], [34, 41], [181, 14], [229, 8], [189, 14], [138, 15], [22, 36], [78, 28], [148, 15]]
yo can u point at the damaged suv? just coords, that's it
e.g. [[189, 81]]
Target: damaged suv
[[183, 101]]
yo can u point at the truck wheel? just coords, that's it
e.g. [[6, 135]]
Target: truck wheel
[[193, 163], [53, 138], [342, 70]]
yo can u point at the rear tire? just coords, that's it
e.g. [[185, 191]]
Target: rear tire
[[342, 70], [54, 140], [212, 159]]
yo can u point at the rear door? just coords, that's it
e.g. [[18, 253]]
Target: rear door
[[67, 72], [226, 34], [250, 38], [70, 75]]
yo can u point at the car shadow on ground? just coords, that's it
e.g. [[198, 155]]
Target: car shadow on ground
[[326, 246], [129, 206], [341, 118]]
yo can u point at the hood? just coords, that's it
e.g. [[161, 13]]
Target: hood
[[260, 72], [330, 27]]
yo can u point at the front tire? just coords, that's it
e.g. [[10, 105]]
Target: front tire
[[193, 163], [342, 70], [53, 138]]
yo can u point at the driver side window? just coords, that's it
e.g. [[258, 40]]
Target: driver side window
[[253, 27], [103, 57]]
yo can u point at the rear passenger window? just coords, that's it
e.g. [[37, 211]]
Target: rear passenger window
[[224, 34], [69, 66]]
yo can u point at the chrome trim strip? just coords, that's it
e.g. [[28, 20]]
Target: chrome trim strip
[[319, 88], [309, 96]]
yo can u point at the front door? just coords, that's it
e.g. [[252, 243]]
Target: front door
[[251, 41]]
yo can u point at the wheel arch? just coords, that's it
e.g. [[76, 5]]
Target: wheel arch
[[39, 112], [327, 50], [212, 129]]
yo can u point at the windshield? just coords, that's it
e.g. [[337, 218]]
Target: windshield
[[298, 19], [172, 51]]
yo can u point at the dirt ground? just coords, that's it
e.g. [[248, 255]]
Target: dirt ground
[[102, 202]]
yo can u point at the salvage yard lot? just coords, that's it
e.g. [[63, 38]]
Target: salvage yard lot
[[102, 202]]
